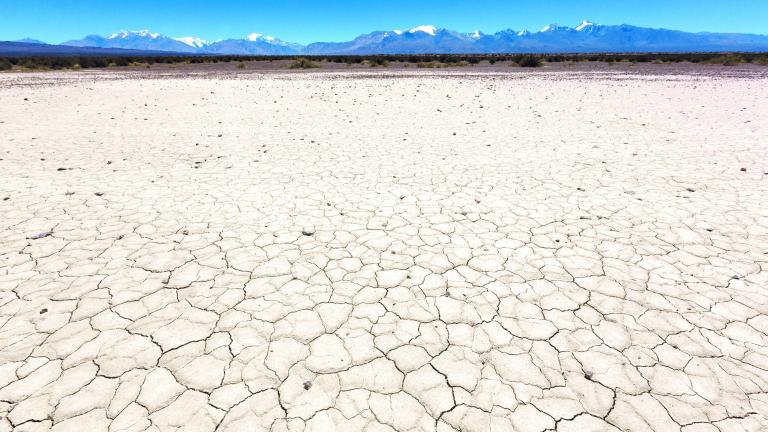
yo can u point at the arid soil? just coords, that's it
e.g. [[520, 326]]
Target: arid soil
[[384, 250]]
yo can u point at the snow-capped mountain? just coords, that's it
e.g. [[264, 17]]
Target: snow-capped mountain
[[417, 40], [135, 40], [586, 26], [554, 28], [477, 34], [428, 39], [194, 42], [132, 34], [554, 38], [253, 44], [428, 29]]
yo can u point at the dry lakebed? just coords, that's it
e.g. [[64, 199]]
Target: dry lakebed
[[384, 251]]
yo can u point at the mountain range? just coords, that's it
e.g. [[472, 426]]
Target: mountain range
[[426, 39]]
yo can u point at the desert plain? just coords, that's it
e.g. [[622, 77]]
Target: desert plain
[[384, 251]]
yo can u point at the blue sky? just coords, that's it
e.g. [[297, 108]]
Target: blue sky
[[306, 21]]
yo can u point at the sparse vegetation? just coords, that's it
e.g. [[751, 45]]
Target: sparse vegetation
[[378, 61], [418, 60], [726, 60], [303, 63], [240, 65], [530, 61]]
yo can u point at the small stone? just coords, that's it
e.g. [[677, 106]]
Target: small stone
[[43, 310], [99, 194], [41, 235], [307, 385]]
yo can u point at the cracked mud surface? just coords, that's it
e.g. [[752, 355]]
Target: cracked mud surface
[[324, 252]]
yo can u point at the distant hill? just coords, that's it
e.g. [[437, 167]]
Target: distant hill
[[30, 40], [23, 49], [586, 37]]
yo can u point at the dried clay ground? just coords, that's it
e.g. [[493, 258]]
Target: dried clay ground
[[409, 251]]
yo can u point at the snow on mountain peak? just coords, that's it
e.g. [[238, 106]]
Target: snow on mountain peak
[[195, 42], [142, 33], [523, 33], [584, 24], [475, 34], [253, 37], [397, 32], [428, 29], [555, 27]]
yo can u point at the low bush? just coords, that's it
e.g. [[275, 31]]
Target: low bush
[[530, 61], [727, 60], [303, 63], [5, 64], [378, 61]]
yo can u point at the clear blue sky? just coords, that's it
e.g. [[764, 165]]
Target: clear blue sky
[[306, 21]]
